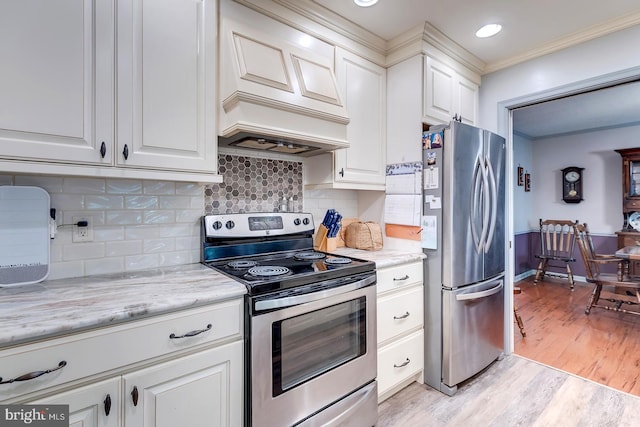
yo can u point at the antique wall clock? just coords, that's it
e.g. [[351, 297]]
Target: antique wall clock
[[572, 184]]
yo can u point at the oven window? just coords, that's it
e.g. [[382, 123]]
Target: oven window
[[311, 344]]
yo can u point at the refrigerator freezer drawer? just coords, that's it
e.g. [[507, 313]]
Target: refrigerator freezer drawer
[[473, 329]]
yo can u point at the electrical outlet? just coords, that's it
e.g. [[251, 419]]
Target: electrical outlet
[[82, 234]]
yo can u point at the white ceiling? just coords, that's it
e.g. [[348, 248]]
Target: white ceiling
[[530, 28], [603, 109], [527, 25]]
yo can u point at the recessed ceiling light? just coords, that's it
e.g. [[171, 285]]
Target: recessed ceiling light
[[489, 30], [365, 3]]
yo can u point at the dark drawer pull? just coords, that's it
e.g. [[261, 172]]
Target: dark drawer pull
[[405, 277], [403, 364], [191, 334], [134, 395], [34, 374], [125, 152], [404, 316], [107, 405], [103, 149]]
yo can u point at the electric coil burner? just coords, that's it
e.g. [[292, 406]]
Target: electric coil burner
[[310, 323]]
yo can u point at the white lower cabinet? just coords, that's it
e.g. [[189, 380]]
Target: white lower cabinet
[[200, 390], [94, 405], [400, 314], [178, 369]]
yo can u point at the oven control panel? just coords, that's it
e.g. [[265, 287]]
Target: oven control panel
[[257, 224]]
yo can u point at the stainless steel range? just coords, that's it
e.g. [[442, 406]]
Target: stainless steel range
[[310, 321]]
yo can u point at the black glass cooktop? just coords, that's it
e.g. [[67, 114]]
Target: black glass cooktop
[[282, 270]]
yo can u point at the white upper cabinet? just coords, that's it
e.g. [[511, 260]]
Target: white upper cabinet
[[56, 80], [273, 89], [166, 84], [63, 72], [448, 94], [361, 166]]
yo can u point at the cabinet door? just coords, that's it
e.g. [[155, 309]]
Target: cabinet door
[[438, 92], [466, 93], [166, 84], [200, 390], [363, 85], [448, 94], [96, 405], [56, 80]]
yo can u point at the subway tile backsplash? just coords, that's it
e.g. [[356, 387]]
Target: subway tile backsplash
[[140, 224], [137, 224]]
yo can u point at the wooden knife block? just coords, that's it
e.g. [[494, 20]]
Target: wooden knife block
[[323, 243]]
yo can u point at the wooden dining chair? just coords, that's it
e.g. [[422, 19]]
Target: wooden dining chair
[[516, 315], [557, 242], [611, 291]]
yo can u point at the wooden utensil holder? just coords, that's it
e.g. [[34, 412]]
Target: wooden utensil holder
[[323, 243]]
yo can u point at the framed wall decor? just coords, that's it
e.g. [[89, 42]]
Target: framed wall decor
[[527, 181], [520, 176]]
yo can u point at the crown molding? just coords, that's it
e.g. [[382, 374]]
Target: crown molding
[[323, 24], [423, 39], [573, 39]]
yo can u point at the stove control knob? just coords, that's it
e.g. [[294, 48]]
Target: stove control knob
[[296, 221], [305, 221], [230, 225], [217, 225]]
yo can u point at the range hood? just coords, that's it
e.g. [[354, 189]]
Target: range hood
[[277, 96]]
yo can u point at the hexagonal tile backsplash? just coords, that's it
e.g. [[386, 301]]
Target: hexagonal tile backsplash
[[254, 185]]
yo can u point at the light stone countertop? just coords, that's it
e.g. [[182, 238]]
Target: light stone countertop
[[56, 307], [383, 257]]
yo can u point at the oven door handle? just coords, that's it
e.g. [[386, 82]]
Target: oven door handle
[[284, 302]]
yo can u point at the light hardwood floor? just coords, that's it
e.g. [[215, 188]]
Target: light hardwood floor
[[544, 383], [603, 346]]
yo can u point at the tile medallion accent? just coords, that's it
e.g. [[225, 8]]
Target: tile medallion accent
[[254, 185]]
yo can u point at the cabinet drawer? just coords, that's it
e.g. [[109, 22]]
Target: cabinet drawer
[[631, 205], [93, 352], [400, 312], [400, 360], [399, 276]]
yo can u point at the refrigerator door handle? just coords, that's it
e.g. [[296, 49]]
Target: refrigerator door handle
[[493, 195], [480, 188], [481, 294]]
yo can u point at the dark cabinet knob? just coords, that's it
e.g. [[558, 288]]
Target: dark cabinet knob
[[103, 149], [134, 395], [107, 405], [341, 173], [125, 152]]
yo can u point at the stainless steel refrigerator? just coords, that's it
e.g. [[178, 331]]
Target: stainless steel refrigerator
[[464, 222]]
